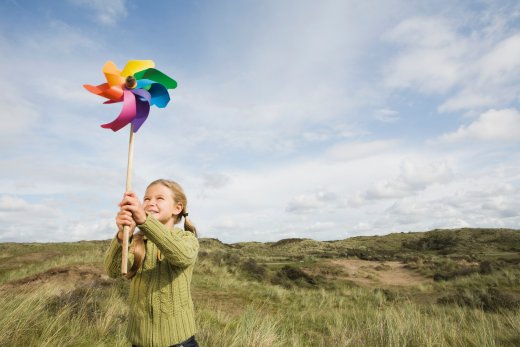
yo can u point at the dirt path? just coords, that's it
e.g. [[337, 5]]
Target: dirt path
[[369, 273]]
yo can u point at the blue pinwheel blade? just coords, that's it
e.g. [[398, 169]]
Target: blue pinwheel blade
[[160, 96]]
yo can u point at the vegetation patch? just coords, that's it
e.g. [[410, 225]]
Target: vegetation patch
[[298, 293], [490, 299], [290, 276], [253, 270]]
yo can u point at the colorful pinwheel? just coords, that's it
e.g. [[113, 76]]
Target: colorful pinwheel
[[138, 86]]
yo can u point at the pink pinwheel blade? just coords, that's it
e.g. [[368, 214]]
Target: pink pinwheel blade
[[127, 114]]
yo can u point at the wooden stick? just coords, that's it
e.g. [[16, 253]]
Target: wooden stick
[[126, 229]]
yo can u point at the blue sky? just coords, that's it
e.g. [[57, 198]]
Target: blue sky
[[322, 120]]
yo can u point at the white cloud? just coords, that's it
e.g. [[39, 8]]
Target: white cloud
[[503, 206], [412, 178], [106, 12], [468, 99], [50, 220], [492, 78], [12, 203], [493, 125], [312, 203], [502, 62], [432, 58], [281, 116], [22, 220], [225, 224], [215, 180], [470, 69], [478, 198], [387, 116], [358, 150], [20, 113]]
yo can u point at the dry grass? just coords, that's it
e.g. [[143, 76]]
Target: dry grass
[[57, 295]]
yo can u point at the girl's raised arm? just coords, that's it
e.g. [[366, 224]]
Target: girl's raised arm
[[178, 248]]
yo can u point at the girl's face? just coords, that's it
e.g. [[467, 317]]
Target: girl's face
[[160, 203]]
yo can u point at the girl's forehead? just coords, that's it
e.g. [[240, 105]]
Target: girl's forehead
[[158, 189]]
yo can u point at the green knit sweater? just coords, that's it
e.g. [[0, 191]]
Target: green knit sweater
[[161, 310]]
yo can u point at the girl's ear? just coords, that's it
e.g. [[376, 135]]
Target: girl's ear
[[177, 209]]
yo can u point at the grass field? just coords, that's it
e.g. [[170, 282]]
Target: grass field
[[439, 288]]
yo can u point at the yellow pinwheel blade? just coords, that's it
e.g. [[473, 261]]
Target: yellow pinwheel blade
[[134, 66], [112, 74]]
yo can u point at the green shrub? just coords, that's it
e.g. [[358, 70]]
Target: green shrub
[[486, 267], [434, 241], [253, 270], [224, 258], [290, 276], [491, 299], [445, 276]]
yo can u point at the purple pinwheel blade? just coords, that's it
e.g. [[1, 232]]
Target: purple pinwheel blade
[[142, 110], [143, 94]]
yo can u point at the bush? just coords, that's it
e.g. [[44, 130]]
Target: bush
[[445, 276], [224, 258], [80, 301], [486, 267], [290, 276], [435, 241], [491, 300], [252, 270]]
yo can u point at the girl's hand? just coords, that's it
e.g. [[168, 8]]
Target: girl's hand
[[124, 218], [131, 203]]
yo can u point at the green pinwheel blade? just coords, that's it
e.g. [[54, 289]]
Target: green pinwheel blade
[[157, 76]]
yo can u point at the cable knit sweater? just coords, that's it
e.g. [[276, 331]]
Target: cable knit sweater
[[161, 310]]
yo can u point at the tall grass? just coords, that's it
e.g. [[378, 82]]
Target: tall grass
[[81, 317], [236, 309]]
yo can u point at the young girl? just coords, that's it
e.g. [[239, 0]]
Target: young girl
[[161, 260]]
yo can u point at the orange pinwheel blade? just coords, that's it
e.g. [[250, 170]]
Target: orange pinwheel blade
[[113, 74], [113, 93]]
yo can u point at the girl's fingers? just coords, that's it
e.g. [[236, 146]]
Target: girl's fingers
[[126, 221], [129, 208], [124, 218], [129, 201]]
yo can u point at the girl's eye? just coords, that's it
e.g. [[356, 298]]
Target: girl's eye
[[146, 199]]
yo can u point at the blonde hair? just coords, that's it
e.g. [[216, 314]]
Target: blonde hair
[[138, 239]]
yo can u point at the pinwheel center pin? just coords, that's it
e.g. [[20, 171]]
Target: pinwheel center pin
[[130, 82]]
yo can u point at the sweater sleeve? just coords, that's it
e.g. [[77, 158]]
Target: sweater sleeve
[[113, 256], [179, 249]]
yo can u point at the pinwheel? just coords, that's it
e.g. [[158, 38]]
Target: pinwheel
[[139, 85]]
